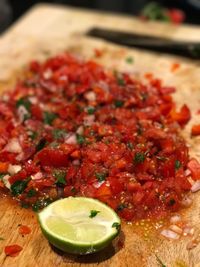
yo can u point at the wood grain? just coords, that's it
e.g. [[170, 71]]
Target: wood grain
[[30, 42]]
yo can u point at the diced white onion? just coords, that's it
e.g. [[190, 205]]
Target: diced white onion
[[13, 169], [187, 230], [90, 96], [186, 201], [71, 140], [176, 218], [169, 234], [13, 146], [192, 244], [22, 112], [76, 162], [88, 120], [196, 186], [47, 74], [98, 184], [6, 182], [36, 176], [187, 172], [176, 229], [80, 130]]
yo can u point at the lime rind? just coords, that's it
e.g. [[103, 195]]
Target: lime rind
[[104, 219]]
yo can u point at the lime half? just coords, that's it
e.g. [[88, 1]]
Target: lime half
[[79, 225]]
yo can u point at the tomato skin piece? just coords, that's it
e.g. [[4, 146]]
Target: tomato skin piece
[[196, 130], [52, 157], [3, 167], [183, 116], [116, 186], [103, 190], [12, 250], [194, 166], [24, 230]]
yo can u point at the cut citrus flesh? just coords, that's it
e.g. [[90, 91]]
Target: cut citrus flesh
[[79, 225]]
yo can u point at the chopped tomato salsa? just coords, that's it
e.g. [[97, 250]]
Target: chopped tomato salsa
[[24, 230], [73, 128], [12, 250]]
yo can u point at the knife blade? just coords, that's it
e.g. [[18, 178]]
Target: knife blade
[[164, 45]]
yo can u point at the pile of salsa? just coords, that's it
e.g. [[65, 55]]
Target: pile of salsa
[[74, 128]]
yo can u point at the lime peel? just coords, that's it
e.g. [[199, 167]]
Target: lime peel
[[67, 225]]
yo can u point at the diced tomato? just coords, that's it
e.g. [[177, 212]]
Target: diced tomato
[[3, 167], [116, 185], [52, 157], [12, 250], [182, 117], [103, 190], [24, 230], [194, 166], [196, 129]]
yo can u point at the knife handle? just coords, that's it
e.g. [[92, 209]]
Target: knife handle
[[181, 48]]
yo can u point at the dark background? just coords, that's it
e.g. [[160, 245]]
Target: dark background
[[190, 7]]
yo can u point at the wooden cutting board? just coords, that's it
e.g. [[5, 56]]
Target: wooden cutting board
[[48, 30]]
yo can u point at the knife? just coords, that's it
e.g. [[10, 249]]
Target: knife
[[164, 45]]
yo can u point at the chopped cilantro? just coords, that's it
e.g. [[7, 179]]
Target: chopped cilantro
[[41, 144], [121, 81], [31, 193], [18, 187], [80, 139], [116, 225], [49, 117], [129, 60], [90, 110], [73, 190], [24, 102], [121, 207], [160, 262], [41, 203], [2, 175], [129, 145], [171, 202], [177, 164], [93, 213], [60, 177], [101, 176], [58, 133], [119, 103], [139, 157], [33, 135], [24, 205]]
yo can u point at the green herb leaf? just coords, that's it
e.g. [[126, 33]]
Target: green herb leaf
[[93, 213], [60, 176], [41, 144], [31, 193], [177, 164], [119, 103], [101, 176], [2, 175], [24, 205], [49, 117], [59, 133], [116, 225], [139, 157], [18, 187], [41, 203], [129, 145], [121, 207], [160, 262], [90, 110], [33, 135], [129, 60], [80, 139], [24, 101]]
